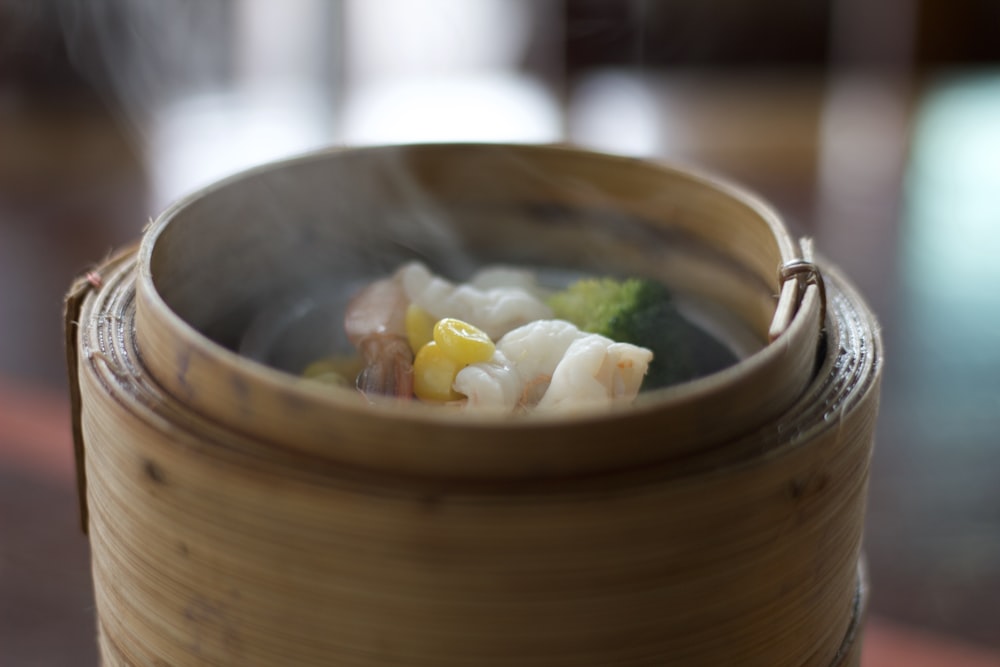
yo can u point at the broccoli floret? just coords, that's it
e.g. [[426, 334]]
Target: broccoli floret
[[637, 311]]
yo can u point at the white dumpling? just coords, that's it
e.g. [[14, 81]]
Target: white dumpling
[[496, 310], [553, 366]]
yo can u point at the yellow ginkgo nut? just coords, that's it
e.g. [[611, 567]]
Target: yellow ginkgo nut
[[331, 370], [463, 342], [434, 373], [419, 327]]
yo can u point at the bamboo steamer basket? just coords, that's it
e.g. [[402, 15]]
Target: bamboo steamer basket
[[240, 515]]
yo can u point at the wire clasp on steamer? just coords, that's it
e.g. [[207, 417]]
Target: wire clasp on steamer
[[795, 276]]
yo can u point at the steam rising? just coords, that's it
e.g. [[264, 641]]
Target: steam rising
[[208, 89], [138, 53]]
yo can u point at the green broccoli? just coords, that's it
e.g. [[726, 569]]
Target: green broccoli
[[637, 311]]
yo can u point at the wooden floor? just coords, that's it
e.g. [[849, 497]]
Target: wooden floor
[[74, 187]]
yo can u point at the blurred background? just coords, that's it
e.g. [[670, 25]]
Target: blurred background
[[873, 126]]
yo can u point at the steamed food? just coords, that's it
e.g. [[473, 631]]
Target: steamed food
[[635, 311], [454, 345], [495, 301], [553, 365], [503, 343]]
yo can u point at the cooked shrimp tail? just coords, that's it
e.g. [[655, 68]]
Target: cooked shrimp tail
[[388, 366], [375, 324], [379, 308]]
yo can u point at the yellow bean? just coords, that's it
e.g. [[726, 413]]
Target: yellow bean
[[434, 373], [463, 342], [419, 327]]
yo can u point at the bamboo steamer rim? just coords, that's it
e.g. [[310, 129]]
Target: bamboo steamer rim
[[300, 415]]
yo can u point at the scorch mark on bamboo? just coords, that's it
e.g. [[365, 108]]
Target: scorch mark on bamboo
[[210, 620], [154, 472], [183, 363], [814, 483], [242, 391]]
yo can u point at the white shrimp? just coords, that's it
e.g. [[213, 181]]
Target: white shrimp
[[493, 386], [552, 365], [500, 275], [496, 309], [594, 371]]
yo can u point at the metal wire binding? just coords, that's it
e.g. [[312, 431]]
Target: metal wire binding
[[807, 273]]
